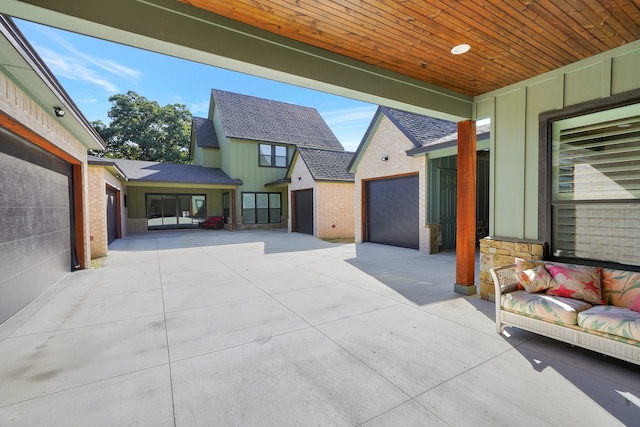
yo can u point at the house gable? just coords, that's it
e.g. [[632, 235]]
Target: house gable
[[385, 153], [250, 118], [327, 165], [366, 140], [204, 147]]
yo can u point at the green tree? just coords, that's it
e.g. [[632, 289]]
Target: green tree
[[143, 130]]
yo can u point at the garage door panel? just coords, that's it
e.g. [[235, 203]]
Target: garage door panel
[[47, 189], [19, 223], [16, 294], [393, 211], [25, 254], [35, 224]]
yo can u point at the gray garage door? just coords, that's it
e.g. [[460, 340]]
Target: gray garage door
[[303, 214], [393, 211], [35, 222]]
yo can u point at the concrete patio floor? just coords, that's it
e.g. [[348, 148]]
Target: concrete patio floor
[[269, 328]]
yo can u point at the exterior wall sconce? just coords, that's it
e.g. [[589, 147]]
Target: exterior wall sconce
[[384, 158], [59, 111]]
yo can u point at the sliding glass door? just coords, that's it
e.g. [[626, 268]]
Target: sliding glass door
[[175, 210]]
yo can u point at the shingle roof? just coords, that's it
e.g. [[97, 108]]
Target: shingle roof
[[248, 117], [327, 165], [136, 170], [421, 130], [451, 140], [481, 133], [205, 133]]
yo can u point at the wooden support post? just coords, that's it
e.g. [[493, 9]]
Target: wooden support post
[[234, 210], [466, 209]]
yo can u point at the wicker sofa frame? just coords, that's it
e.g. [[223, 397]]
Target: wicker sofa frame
[[504, 279]]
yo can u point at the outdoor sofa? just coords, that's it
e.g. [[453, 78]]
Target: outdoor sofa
[[591, 307], [214, 222]]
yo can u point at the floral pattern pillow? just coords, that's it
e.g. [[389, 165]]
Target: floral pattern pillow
[[576, 281], [535, 279], [635, 305], [522, 266], [621, 288]]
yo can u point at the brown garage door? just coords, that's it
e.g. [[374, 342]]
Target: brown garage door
[[35, 222]]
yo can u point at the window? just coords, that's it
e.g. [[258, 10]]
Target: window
[[261, 208], [175, 210], [594, 195], [274, 156]]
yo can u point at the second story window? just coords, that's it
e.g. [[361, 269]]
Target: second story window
[[272, 156]]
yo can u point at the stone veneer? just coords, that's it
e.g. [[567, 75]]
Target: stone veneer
[[497, 252]]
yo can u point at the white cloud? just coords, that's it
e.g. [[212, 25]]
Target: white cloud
[[350, 124], [349, 115], [69, 62], [201, 107], [68, 67]]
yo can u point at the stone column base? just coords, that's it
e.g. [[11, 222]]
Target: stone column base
[[497, 252], [465, 290]]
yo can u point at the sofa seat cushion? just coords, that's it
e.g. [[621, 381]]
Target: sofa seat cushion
[[613, 320], [551, 308]]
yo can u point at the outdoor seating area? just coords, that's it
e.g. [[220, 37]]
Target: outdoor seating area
[[591, 307], [185, 328]]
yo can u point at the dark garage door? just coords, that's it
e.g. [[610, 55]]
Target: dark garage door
[[393, 211], [35, 222], [303, 215], [112, 216]]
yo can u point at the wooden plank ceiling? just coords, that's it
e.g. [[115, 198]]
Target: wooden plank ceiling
[[511, 40]]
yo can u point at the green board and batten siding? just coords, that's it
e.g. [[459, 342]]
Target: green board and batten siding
[[240, 159], [514, 143]]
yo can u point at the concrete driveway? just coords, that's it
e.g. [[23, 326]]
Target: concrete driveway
[[269, 328]]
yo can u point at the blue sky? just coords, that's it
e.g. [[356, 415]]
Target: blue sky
[[92, 70]]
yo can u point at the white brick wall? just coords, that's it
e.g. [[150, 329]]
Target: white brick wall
[[335, 210], [389, 141], [333, 203]]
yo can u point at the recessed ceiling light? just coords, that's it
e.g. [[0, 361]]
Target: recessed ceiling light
[[460, 49]]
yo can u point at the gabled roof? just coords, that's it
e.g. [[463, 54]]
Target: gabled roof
[[23, 66], [205, 133], [327, 165], [258, 119], [421, 130], [482, 132], [425, 133], [137, 170]]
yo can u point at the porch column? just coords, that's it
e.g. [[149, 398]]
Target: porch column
[[234, 225], [466, 209]]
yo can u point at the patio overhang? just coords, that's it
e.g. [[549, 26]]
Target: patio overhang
[[245, 49]]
